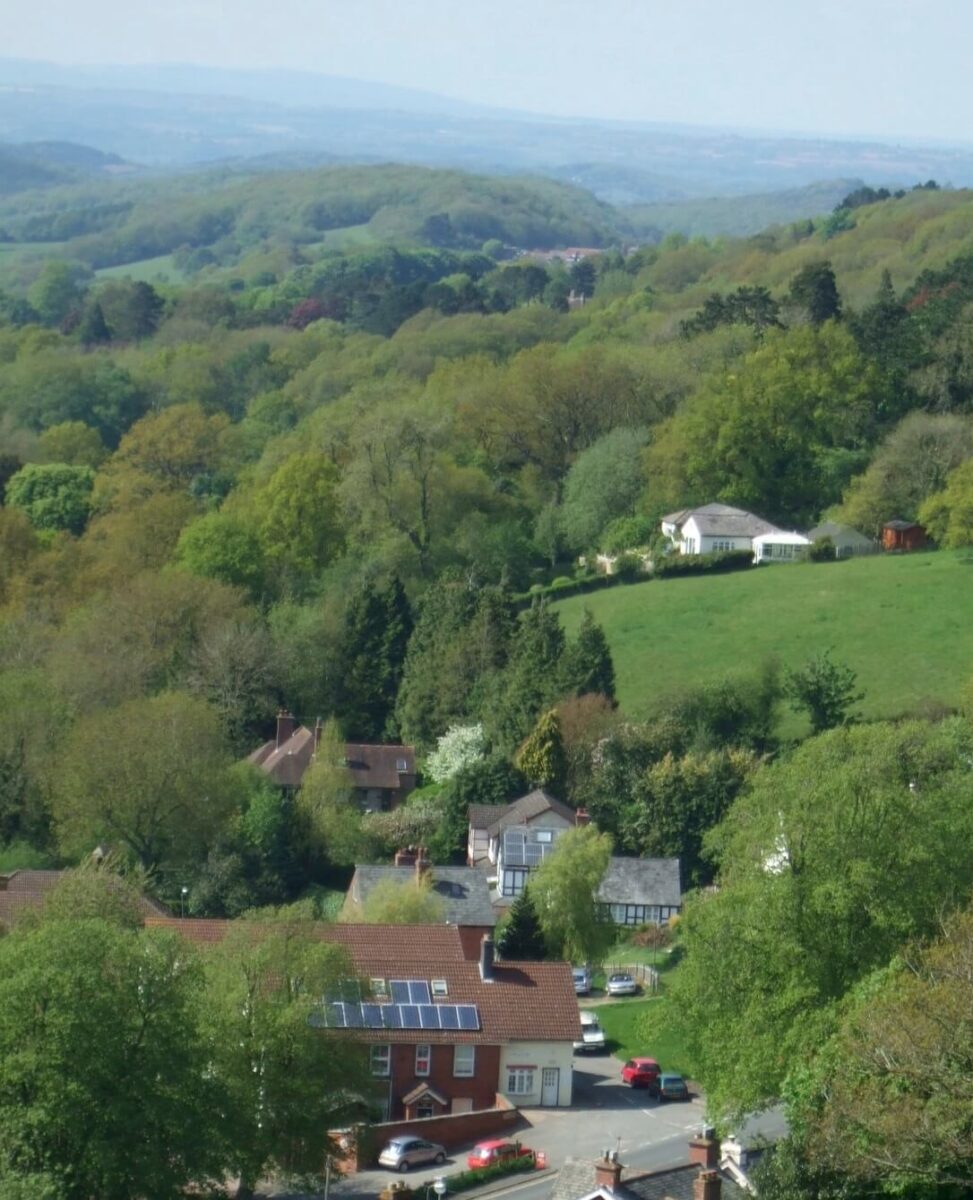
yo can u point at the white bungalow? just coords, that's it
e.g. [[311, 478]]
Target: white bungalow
[[713, 529], [779, 547]]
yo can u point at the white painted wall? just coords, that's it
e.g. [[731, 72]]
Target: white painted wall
[[538, 1055]]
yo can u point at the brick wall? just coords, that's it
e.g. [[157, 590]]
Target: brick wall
[[480, 1089], [502, 1119], [470, 937]]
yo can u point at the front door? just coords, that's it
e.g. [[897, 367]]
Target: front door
[[550, 1078]]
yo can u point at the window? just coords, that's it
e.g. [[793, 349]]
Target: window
[[513, 882], [378, 987], [380, 1059], [401, 765], [464, 1059], [520, 1081], [438, 987], [425, 1109], [544, 835], [423, 1054]]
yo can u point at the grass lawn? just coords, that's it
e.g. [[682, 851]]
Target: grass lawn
[[146, 270], [642, 1027], [902, 622]]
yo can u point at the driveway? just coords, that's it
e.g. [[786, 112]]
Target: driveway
[[605, 1114]]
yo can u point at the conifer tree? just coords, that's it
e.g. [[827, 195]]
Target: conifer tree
[[378, 628], [521, 938], [541, 758], [589, 662]]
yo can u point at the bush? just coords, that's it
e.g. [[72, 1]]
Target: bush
[[465, 1180], [822, 550], [703, 564]]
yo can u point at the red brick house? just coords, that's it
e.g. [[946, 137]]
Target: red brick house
[[903, 535], [446, 1034], [382, 776]]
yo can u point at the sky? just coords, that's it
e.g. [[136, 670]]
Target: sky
[[888, 68]]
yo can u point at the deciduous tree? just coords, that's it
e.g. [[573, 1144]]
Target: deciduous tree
[[564, 890]]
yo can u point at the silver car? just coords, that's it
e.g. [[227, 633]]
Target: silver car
[[620, 984], [407, 1151]]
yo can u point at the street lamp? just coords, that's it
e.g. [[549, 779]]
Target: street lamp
[[183, 893]]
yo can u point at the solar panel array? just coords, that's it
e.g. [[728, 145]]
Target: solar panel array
[[522, 849], [411, 1007], [342, 1014]]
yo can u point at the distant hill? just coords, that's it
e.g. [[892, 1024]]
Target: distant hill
[[49, 164], [176, 116], [738, 216]]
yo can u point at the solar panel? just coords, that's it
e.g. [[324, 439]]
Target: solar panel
[[392, 1016], [372, 1016], [410, 1016], [399, 989], [448, 1016], [429, 1016], [334, 1016], [419, 992], [353, 1016], [469, 1018]]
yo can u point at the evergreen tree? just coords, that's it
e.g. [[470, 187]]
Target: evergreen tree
[[589, 662], [378, 627], [541, 758], [815, 289], [93, 328], [532, 680], [521, 938]]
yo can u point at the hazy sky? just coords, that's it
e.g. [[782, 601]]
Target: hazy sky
[[886, 67]]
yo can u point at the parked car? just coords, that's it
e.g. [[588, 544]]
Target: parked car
[[592, 1034], [621, 984], [672, 1087], [582, 980], [486, 1154], [407, 1151], [641, 1072]]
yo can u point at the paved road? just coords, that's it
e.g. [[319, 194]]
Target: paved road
[[605, 1113]]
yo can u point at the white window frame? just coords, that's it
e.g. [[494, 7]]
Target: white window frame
[[438, 987], [423, 1060], [378, 988], [380, 1059], [464, 1060], [520, 1081]]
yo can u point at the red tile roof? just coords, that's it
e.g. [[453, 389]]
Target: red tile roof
[[526, 1001], [27, 889], [369, 766]]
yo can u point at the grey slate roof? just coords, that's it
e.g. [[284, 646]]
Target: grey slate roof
[[463, 890], [576, 1179], [642, 881], [833, 529], [493, 817], [716, 520]]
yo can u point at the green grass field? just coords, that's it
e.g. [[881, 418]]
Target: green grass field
[[146, 270], [642, 1027], [903, 623]]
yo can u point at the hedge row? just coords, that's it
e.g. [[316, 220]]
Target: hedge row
[[465, 1180], [703, 564]]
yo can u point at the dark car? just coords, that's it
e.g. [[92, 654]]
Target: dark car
[[671, 1087]]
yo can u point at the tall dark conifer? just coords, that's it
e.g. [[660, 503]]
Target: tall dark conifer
[[522, 938]]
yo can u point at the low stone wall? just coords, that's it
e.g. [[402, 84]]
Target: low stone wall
[[452, 1130]]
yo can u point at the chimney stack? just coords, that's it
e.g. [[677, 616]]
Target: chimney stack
[[735, 1152], [406, 857], [704, 1150], [581, 817], [608, 1171], [285, 727], [707, 1186], [486, 958]]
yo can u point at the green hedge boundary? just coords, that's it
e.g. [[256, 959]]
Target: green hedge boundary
[[465, 1180]]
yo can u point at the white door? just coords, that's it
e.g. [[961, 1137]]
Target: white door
[[550, 1077]]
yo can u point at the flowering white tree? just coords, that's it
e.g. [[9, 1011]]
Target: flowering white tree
[[460, 746]]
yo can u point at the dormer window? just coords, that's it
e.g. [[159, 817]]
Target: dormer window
[[402, 765], [378, 988], [438, 987]]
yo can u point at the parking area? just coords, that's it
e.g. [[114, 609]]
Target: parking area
[[605, 1113]]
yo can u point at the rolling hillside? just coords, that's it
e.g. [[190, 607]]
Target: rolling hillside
[[901, 622]]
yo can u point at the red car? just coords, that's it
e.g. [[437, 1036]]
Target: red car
[[486, 1154], [641, 1072]]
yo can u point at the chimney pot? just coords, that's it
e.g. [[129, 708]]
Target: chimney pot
[[704, 1150], [285, 727], [707, 1186], [608, 1171]]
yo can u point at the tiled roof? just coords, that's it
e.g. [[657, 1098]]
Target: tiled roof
[[369, 766], [463, 890], [722, 519], [482, 815], [27, 889], [528, 807], [641, 881], [576, 1179], [529, 1001]]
